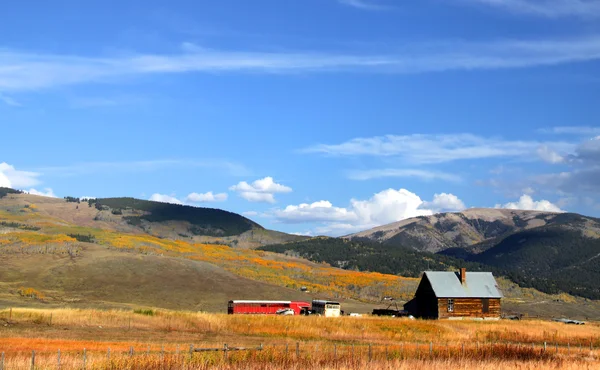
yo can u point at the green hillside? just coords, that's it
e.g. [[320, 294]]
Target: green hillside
[[204, 221], [553, 259], [365, 255], [5, 191]]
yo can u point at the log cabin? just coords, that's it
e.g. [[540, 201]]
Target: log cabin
[[456, 295]]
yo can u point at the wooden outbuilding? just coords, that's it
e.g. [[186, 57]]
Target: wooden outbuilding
[[456, 295]]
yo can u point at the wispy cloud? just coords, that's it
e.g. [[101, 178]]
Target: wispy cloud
[[572, 130], [84, 168], [103, 101], [9, 101], [30, 71], [363, 4], [437, 148], [402, 172], [547, 8]]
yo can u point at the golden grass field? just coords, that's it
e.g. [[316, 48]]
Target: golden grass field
[[162, 340]]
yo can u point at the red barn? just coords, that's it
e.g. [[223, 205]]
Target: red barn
[[266, 307]]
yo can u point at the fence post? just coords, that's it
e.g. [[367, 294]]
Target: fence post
[[591, 345], [148, 351], [430, 349], [569, 348], [286, 349], [84, 358], [579, 347], [544, 346], [463, 350], [191, 351], [58, 360], [352, 352], [297, 350], [555, 347], [335, 352], [370, 353], [131, 351], [2, 361], [177, 350], [50, 319], [386, 353], [32, 360], [225, 350], [10, 315]]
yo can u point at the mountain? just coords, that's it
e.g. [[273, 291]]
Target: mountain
[[470, 229], [552, 252]]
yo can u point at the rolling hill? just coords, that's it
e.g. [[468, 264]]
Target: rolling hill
[[55, 252], [124, 253]]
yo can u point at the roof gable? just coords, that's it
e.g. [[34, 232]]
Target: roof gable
[[446, 284]]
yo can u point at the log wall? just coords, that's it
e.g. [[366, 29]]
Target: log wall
[[469, 307]]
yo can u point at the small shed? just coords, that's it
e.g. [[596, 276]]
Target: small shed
[[456, 295]]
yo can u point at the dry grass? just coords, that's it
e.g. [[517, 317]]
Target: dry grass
[[162, 341]]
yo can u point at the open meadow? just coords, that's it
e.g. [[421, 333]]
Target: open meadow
[[162, 339]]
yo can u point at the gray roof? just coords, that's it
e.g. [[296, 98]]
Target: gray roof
[[446, 284]]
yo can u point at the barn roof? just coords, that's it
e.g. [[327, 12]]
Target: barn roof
[[446, 284]]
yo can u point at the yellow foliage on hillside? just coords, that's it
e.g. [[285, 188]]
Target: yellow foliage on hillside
[[256, 265], [31, 238], [31, 293]]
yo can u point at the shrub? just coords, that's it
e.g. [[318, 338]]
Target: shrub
[[147, 312]]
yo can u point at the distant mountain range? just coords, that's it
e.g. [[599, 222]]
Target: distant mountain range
[[552, 252]]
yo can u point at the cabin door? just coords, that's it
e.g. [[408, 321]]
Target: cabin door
[[485, 303]]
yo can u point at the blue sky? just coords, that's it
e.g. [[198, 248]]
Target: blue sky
[[308, 116]]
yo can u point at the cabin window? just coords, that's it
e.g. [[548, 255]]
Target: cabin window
[[485, 303], [450, 305]]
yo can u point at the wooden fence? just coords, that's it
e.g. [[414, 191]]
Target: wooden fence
[[299, 351]]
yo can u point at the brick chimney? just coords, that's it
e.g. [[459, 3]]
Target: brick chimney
[[463, 275]]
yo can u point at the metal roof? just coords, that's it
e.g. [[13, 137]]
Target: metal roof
[[446, 284]]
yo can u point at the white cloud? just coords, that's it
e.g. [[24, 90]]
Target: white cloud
[[321, 211], [22, 71], [303, 233], [527, 203], [549, 155], [400, 172], [444, 203], [86, 198], [46, 193], [18, 179], [436, 148], [572, 130], [362, 4], [165, 198], [548, 8], [382, 208], [4, 181], [206, 197], [262, 190]]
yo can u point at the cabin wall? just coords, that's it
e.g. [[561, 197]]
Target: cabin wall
[[469, 307], [426, 301]]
